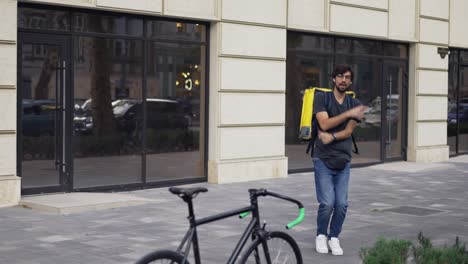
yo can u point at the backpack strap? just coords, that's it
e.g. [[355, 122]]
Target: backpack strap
[[315, 125], [355, 150]]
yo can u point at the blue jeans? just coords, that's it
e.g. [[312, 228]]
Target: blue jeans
[[332, 194]]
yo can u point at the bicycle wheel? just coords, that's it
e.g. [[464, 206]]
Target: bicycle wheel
[[281, 246], [163, 257]]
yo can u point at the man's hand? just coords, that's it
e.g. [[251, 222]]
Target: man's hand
[[357, 112], [325, 137]]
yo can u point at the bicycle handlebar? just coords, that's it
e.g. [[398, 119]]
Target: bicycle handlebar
[[264, 192]]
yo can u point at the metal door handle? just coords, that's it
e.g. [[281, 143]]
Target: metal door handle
[[64, 90]]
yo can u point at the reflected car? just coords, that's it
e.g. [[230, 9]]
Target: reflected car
[[161, 114], [462, 114], [38, 117], [373, 114]]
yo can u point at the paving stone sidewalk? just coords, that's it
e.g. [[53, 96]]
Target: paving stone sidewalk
[[394, 200]]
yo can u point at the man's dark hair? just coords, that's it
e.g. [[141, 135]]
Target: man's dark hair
[[341, 69]]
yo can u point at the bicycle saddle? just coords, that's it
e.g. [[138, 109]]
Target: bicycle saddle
[[187, 192]]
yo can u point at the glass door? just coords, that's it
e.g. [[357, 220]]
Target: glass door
[[42, 96], [462, 118], [393, 108]]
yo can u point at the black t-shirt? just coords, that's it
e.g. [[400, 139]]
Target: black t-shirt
[[338, 148]]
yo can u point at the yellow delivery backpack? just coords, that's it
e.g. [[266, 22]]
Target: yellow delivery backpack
[[309, 127]]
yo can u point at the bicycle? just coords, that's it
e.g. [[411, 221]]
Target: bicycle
[[261, 249]]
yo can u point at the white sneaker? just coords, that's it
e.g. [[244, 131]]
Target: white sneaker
[[321, 244], [335, 247]]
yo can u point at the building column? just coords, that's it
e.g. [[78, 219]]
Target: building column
[[10, 184], [247, 92], [428, 106]]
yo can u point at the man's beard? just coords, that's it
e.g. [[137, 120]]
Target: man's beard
[[342, 89]]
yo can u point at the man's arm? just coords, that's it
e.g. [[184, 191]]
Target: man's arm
[[327, 122], [327, 138]]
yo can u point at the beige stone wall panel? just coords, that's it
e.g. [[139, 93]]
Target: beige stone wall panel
[[252, 75], [8, 64], [10, 190], [429, 154], [427, 57], [8, 18], [311, 15], [431, 133], [255, 41], [271, 12], [351, 20], [139, 5], [251, 142], [402, 20], [248, 170], [250, 109], [8, 109], [432, 107], [435, 8], [432, 82], [459, 23], [203, 9], [433, 31], [8, 154]]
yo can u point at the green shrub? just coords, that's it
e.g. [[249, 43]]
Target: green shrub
[[425, 253], [386, 252]]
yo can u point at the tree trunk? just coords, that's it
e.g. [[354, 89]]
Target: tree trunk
[[48, 68], [101, 94]]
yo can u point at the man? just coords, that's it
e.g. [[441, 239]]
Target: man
[[332, 155]]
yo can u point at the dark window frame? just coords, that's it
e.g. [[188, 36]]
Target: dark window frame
[[71, 34]]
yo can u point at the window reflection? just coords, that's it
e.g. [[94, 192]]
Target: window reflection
[[107, 140], [302, 71], [367, 85], [111, 24], [43, 19], [175, 106], [452, 102], [310, 64], [176, 30], [463, 111], [40, 124], [457, 118]]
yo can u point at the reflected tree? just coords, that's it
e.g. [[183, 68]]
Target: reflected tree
[[101, 94], [48, 69]]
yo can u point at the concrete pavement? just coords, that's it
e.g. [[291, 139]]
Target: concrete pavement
[[394, 200]]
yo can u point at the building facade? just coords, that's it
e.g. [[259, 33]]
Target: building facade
[[114, 94]]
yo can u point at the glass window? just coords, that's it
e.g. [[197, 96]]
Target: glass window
[[452, 102], [111, 24], [396, 50], [375, 78], [344, 45], [463, 111], [108, 121], [302, 71], [367, 47], [367, 83], [34, 18], [298, 42], [464, 56], [453, 56], [176, 30], [175, 111]]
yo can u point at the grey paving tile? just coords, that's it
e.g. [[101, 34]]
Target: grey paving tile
[[122, 235]]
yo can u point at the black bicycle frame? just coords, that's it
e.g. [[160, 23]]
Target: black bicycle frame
[[192, 237]]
